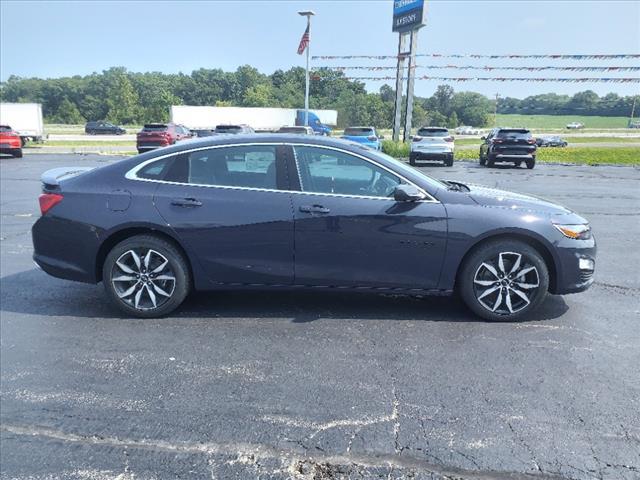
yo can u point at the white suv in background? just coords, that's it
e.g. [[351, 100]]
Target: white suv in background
[[432, 143]]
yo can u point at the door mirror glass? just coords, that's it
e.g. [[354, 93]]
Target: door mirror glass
[[407, 193]]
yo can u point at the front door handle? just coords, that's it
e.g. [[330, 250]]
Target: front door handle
[[186, 202], [314, 209]]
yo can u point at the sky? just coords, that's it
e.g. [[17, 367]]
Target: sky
[[65, 38]]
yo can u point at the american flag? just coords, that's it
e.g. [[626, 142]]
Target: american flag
[[304, 41]]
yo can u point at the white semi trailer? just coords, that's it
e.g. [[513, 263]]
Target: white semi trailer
[[24, 118], [260, 119]]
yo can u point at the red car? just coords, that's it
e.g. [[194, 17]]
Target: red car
[[10, 141], [156, 135]]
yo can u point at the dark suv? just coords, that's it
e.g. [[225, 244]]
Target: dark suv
[[156, 135], [515, 145], [103, 128]]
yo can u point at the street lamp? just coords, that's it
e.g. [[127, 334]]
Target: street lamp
[[308, 14]]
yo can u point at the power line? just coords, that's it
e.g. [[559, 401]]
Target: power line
[[487, 68], [452, 55]]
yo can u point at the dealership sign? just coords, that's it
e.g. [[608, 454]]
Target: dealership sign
[[408, 14]]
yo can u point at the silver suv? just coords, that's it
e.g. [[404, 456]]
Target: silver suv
[[432, 143]]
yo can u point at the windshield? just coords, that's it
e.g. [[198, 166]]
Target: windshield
[[359, 132], [515, 134], [154, 127], [433, 132], [403, 168], [228, 129]]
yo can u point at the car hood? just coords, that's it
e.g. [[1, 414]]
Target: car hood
[[493, 197]]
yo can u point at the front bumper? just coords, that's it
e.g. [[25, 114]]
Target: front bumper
[[574, 273]]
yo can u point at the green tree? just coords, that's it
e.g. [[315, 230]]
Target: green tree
[[122, 99], [453, 120], [472, 108], [68, 113]]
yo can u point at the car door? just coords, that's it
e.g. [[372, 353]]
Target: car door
[[230, 206], [349, 231]]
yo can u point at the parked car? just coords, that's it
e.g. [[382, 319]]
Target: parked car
[[514, 145], [575, 125], [103, 128], [301, 130], [203, 132], [234, 129], [365, 136], [432, 143], [466, 130], [156, 135], [290, 212], [551, 141], [10, 142], [633, 123]]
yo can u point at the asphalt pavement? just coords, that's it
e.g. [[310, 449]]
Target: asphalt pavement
[[324, 385]]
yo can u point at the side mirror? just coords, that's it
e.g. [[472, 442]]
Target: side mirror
[[407, 193], [483, 138]]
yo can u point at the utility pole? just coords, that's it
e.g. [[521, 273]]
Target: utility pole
[[308, 14]]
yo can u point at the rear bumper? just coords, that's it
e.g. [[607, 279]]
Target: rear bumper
[[510, 157], [10, 146]]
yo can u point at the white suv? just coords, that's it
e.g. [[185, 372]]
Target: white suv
[[432, 143]]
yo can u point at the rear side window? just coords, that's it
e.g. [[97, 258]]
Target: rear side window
[[252, 166], [517, 134], [433, 132], [155, 170]]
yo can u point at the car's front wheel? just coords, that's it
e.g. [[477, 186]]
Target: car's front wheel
[[146, 276], [503, 280]]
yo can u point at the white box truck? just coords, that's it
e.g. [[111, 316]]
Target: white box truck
[[260, 119], [24, 118]]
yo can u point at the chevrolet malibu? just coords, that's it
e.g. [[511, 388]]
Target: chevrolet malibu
[[293, 212]]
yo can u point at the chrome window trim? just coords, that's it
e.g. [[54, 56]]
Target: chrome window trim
[[132, 173]]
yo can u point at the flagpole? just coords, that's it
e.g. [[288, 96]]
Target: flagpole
[[306, 80], [307, 14]]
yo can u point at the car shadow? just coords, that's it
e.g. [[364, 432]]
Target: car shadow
[[32, 292]]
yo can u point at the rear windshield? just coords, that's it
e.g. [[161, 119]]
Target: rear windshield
[[154, 127], [228, 129], [358, 132], [433, 132], [518, 134], [5, 128]]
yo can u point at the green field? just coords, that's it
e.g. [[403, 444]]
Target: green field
[[559, 121]]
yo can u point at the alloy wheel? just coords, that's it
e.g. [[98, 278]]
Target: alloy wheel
[[143, 279], [506, 285]]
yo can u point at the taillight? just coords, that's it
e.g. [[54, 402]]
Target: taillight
[[448, 139], [496, 140], [48, 201], [417, 138], [531, 141]]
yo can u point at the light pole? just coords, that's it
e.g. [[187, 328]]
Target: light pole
[[308, 14]]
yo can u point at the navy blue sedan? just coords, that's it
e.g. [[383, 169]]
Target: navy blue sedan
[[296, 212]]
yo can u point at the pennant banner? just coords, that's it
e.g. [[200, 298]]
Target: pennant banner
[[500, 79], [439, 55], [488, 68]]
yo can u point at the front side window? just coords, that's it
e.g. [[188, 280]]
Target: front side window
[[331, 171], [251, 166]]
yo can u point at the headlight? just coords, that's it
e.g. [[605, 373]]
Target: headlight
[[577, 232]]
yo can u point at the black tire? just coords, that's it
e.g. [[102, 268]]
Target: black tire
[[140, 151], [412, 160], [490, 160], [153, 292], [531, 163], [483, 160], [449, 161], [17, 153], [474, 270]]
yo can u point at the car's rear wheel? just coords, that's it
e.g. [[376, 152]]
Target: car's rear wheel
[[146, 276], [503, 280], [531, 163], [17, 153], [412, 160], [490, 160], [449, 161]]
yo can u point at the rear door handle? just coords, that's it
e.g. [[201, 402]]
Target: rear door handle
[[186, 202], [314, 209]]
